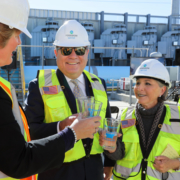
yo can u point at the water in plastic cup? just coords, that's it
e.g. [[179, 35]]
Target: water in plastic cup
[[88, 107], [110, 127]]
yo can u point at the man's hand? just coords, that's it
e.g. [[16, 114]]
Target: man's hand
[[108, 173], [67, 122], [163, 164]]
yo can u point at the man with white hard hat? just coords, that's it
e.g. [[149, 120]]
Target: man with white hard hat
[[52, 98]]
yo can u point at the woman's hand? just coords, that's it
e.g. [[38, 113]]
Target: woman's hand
[[103, 141], [108, 173], [86, 128], [163, 164]]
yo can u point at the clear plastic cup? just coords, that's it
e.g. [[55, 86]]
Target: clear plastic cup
[[110, 128], [88, 107]]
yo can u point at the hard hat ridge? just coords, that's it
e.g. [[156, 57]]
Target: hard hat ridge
[[152, 68], [71, 34]]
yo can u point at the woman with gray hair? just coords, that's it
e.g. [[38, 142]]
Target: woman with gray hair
[[151, 130]]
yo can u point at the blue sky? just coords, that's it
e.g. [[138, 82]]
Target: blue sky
[[153, 7]]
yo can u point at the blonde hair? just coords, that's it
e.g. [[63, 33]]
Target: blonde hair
[[5, 34]]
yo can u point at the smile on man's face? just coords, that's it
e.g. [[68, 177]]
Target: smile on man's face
[[73, 65]]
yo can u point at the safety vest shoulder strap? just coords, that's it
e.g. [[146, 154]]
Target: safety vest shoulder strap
[[95, 81], [128, 113], [6, 87], [174, 111], [93, 76], [45, 77], [48, 79]]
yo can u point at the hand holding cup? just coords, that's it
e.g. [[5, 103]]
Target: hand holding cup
[[108, 135], [86, 128], [108, 144]]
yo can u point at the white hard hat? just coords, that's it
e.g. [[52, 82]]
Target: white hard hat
[[154, 69], [71, 34], [14, 13]]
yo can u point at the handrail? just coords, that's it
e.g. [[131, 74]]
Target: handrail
[[20, 58]]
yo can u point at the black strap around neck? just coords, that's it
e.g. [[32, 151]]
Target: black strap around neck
[[87, 143], [67, 91], [144, 152]]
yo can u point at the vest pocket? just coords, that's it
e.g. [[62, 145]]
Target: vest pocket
[[56, 109], [131, 142], [164, 142]]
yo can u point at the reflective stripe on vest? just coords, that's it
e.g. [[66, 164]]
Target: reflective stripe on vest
[[19, 117], [130, 164], [57, 109]]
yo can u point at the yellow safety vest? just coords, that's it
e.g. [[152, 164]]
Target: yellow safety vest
[[19, 116], [130, 166], [57, 109]]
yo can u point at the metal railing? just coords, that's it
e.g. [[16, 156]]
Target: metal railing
[[119, 81], [41, 46]]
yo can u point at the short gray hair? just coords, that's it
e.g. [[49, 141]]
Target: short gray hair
[[163, 97]]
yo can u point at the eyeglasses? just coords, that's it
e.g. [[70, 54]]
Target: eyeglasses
[[66, 51]]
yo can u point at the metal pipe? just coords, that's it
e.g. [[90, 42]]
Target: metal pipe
[[147, 52], [126, 20], [169, 23], [91, 47], [117, 48], [34, 46], [130, 93], [148, 20], [113, 86], [89, 59], [141, 52], [43, 57], [102, 59], [102, 22], [133, 51], [137, 19]]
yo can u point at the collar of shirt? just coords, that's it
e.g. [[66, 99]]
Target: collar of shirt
[[81, 83]]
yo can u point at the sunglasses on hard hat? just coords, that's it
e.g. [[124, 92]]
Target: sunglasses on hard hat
[[66, 51]]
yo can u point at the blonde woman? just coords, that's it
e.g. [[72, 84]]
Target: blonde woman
[[19, 159]]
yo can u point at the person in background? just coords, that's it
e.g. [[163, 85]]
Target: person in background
[[19, 158], [69, 82], [149, 129]]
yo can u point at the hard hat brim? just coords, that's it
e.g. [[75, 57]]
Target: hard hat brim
[[25, 31], [71, 44], [148, 76]]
